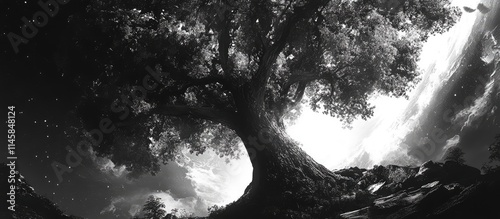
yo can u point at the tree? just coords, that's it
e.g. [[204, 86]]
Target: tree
[[426, 15], [495, 149], [154, 208], [170, 216], [180, 213], [223, 72], [454, 154], [493, 164]]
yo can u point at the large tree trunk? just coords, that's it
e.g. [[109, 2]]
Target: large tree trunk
[[287, 183]]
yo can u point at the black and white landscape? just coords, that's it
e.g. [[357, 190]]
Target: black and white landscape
[[250, 109]]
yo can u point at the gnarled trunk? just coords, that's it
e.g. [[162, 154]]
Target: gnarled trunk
[[287, 183]]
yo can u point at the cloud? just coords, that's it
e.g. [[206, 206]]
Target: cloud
[[214, 180], [452, 142], [131, 204], [127, 204], [190, 204], [107, 166], [480, 107], [193, 183], [111, 208], [135, 209]]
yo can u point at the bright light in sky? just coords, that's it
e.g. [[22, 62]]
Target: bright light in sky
[[205, 173], [380, 136], [327, 142]]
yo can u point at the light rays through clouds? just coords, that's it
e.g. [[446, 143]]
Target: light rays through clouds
[[482, 106], [379, 139]]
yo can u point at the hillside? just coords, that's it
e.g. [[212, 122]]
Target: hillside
[[29, 204]]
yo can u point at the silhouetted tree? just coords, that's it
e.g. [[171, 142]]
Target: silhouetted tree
[[224, 72], [495, 149], [454, 154], [154, 208], [170, 216], [494, 158], [181, 213]]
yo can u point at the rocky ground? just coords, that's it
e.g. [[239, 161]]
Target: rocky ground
[[433, 190]]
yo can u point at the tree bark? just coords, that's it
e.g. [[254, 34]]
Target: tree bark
[[286, 183]]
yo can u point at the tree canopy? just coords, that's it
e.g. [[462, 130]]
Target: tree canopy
[[174, 74], [154, 208]]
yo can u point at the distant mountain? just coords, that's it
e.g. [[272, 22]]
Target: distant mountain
[[28, 203]]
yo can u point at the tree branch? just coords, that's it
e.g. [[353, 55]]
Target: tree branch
[[299, 93], [284, 10], [259, 80], [197, 82], [224, 38], [224, 117], [183, 81], [295, 78], [306, 77]]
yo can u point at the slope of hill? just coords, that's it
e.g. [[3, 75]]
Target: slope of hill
[[29, 204]]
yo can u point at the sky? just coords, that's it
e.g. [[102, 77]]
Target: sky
[[383, 136], [456, 98]]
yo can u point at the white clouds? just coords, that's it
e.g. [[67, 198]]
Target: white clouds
[[111, 208], [480, 107], [107, 166], [488, 53], [134, 209], [133, 204], [190, 204], [452, 142], [214, 180]]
